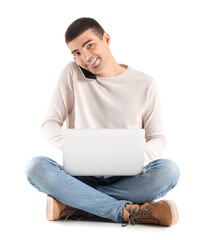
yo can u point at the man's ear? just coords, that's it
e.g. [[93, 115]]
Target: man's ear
[[107, 38]]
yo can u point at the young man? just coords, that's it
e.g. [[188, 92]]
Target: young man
[[119, 97]]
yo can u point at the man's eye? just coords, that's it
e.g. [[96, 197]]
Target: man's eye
[[76, 54], [90, 45]]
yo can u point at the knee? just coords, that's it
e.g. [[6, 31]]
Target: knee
[[171, 170], [33, 167]]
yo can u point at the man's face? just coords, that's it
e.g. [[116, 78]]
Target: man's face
[[91, 52]]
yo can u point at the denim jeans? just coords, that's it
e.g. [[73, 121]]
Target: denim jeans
[[104, 197]]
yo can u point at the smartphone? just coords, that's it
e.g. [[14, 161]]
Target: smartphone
[[86, 74]]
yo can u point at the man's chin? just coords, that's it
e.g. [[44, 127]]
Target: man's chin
[[94, 70]]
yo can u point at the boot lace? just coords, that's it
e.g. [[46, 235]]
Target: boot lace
[[73, 213], [141, 216]]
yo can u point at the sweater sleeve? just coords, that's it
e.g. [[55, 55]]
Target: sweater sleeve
[[58, 111], [153, 125]]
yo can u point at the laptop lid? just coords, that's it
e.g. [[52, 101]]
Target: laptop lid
[[103, 152]]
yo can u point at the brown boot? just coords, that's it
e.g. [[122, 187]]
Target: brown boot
[[162, 213], [56, 210]]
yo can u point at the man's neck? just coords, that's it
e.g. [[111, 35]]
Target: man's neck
[[112, 69]]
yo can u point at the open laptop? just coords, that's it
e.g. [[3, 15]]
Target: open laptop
[[103, 152]]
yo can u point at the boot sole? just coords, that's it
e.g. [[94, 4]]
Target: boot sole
[[174, 211], [49, 208]]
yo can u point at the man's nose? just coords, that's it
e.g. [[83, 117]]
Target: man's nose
[[86, 56]]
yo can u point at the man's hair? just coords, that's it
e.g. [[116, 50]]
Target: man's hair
[[80, 25]]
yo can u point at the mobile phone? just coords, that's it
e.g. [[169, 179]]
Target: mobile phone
[[86, 74]]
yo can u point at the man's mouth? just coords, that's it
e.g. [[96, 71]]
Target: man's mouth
[[93, 62]]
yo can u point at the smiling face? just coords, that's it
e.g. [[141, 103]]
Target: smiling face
[[91, 52]]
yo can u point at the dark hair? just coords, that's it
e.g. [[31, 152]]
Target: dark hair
[[80, 25]]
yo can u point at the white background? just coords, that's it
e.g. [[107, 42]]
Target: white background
[[162, 38]]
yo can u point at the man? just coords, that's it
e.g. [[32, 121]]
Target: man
[[119, 97]]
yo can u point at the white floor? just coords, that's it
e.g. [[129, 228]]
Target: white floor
[[23, 216]]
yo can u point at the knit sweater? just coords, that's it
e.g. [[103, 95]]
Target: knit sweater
[[128, 100]]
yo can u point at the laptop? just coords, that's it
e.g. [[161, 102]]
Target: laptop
[[103, 152]]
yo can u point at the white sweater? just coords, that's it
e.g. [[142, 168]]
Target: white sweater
[[128, 100]]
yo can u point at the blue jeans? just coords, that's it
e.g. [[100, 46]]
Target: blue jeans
[[104, 197]]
